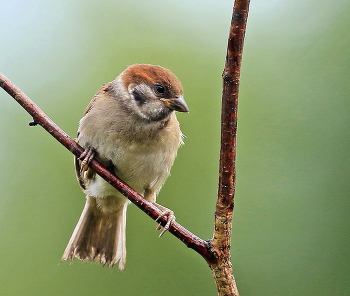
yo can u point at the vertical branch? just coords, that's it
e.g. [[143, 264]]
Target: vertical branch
[[222, 269]]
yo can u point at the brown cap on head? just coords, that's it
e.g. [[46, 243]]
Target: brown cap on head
[[150, 74]]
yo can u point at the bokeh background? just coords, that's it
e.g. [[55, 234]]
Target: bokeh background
[[291, 224]]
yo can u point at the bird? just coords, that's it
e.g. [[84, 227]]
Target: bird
[[130, 126]]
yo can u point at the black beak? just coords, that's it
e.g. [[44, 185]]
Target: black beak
[[177, 104]]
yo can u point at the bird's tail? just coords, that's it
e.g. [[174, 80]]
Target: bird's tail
[[99, 236]]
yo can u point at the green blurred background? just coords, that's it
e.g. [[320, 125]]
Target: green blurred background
[[291, 224]]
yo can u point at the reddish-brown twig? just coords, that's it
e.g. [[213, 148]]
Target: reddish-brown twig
[[221, 241], [39, 117]]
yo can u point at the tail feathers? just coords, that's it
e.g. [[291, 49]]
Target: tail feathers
[[98, 236]]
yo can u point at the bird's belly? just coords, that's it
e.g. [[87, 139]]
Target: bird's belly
[[142, 169]]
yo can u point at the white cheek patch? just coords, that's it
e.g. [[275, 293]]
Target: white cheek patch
[[144, 102], [145, 91]]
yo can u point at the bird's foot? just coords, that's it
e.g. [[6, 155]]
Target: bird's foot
[[86, 158], [170, 218]]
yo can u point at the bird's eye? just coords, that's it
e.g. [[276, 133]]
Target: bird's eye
[[159, 88]]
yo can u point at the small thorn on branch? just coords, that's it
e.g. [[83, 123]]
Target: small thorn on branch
[[33, 123]]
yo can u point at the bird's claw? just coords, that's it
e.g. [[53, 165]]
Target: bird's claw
[[86, 157], [170, 219]]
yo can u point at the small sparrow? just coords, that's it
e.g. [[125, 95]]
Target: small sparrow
[[130, 126]]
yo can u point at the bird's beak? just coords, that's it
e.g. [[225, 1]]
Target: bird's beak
[[177, 104]]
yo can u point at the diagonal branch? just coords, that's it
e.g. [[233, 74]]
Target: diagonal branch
[[39, 117]]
